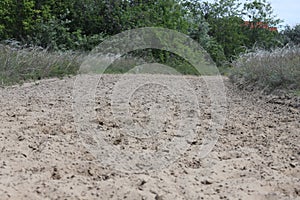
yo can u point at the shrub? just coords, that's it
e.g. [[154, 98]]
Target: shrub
[[269, 70]]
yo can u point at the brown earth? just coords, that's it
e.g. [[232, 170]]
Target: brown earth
[[43, 156]]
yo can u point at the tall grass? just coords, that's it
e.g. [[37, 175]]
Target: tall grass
[[268, 70], [21, 64]]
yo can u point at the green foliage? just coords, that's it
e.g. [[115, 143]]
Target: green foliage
[[216, 51], [83, 24], [53, 34], [199, 31], [140, 57], [260, 11], [7, 20], [225, 22], [155, 13], [76, 24], [228, 32], [225, 19], [292, 34]]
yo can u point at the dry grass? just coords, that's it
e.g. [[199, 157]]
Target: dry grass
[[268, 70], [21, 64]]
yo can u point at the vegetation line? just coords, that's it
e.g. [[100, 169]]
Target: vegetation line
[[48, 38]]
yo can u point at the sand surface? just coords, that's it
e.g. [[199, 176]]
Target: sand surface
[[148, 143]]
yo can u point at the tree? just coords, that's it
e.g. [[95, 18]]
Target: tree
[[17, 19], [261, 17], [224, 19], [292, 34], [6, 19], [199, 30], [158, 13], [226, 24]]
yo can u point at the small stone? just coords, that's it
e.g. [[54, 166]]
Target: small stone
[[206, 182], [191, 142], [21, 138], [117, 141], [55, 174], [293, 158], [293, 165]]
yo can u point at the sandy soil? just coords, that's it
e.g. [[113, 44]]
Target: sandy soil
[[44, 156]]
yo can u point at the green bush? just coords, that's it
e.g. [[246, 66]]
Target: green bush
[[56, 36], [292, 34], [140, 57]]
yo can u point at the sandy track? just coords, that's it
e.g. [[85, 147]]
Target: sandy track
[[257, 155]]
